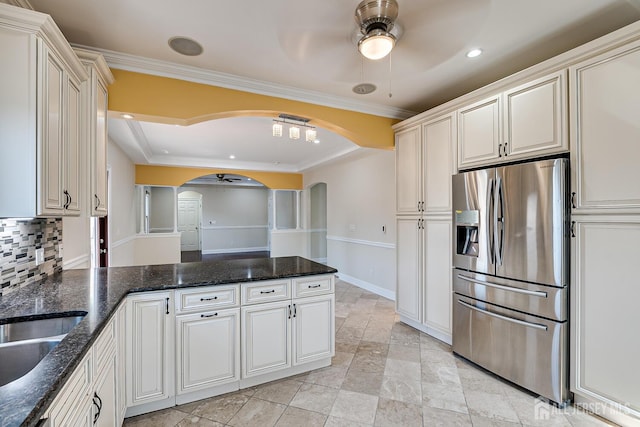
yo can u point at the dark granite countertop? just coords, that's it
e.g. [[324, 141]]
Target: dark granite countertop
[[99, 292]]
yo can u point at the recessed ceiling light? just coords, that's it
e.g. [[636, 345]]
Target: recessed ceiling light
[[127, 116], [317, 141], [185, 46], [165, 151], [474, 52], [232, 157]]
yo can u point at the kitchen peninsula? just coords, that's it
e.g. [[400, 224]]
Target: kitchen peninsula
[[242, 298]]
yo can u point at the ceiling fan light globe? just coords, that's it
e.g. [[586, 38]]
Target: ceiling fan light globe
[[376, 44]]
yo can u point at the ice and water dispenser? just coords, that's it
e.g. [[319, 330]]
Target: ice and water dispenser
[[467, 223]]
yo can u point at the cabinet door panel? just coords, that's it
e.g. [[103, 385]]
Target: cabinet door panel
[[408, 171], [437, 272], [605, 133], [72, 148], [479, 132], [313, 328], [105, 389], [535, 117], [51, 181], [266, 335], [208, 349], [439, 138], [149, 349], [604, 307], [409, 268]]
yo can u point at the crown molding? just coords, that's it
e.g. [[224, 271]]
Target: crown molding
[[156, 67]]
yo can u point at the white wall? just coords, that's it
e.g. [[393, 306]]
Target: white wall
[[360, 201], [76, 242], [122, 207], [234, 219]]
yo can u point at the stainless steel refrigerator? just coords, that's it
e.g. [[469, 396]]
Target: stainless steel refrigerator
[[510, 273]]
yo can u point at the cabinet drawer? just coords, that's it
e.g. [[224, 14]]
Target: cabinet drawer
[[211, 297], [75, 391], [309, 286], [274, 290], [104, 346]]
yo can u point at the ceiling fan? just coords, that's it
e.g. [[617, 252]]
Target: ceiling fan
[[221, 178]]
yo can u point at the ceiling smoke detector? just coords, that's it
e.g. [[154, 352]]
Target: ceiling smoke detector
[[364, 88], [376, 19], [185, 46]]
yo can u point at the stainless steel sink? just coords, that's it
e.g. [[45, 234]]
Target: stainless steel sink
[[41, 328], [24, 344], [18, 358]]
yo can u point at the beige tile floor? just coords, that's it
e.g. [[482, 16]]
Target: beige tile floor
[[384, 373]]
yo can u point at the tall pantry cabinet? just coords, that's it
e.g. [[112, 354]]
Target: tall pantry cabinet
[[425, 161], [605, 154]]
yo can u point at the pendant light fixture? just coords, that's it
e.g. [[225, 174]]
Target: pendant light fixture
[[295, 123]]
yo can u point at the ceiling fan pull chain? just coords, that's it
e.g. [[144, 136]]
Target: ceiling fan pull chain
[[390, 94]]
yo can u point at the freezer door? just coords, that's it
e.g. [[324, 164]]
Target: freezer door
[[472, 193], [531, 215]]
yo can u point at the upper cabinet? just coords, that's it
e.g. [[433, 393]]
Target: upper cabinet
[[424, 165], [40, 124], [95, 106], [605, 132], [523, 122]]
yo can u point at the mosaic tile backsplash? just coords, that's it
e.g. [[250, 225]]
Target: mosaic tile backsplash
[[19, 240]]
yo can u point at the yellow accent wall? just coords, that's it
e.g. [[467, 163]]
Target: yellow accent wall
[[166, 100], [176, 176]]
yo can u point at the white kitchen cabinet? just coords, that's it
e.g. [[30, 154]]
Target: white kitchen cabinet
[[40, 109], [73, 404], [424, 165], [526, 121], [409, 194], [121, 359], [605, 134], [94, 107], [150, 351], [437, 277], [605, 316], [479, 132], [208, 349], [266, 338], [409, 238], [105, 398], [313, 328]]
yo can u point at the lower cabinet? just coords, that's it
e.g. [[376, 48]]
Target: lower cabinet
[[150, 351], [313, 329], [423, 289], [208, 349], [605, 316], [90, 397]]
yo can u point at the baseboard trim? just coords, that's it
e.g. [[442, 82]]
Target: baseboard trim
[[378, 290], [234, 250]]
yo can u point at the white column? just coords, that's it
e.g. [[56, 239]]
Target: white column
[[298, 218], [175, 209]]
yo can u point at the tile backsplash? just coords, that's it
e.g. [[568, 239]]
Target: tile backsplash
[[19, 239]]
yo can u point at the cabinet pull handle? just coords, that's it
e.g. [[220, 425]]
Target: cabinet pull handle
[[98, 203], [272, 291], [167, 303], [97, 401], [314, 286], [289, 311], [499, 150], [209, 315], [504, 147], [295, 310], [209, 299], [67, 200], [573, 229], [573, 200]]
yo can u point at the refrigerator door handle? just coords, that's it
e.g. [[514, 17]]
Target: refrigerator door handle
[[502, 287], [490, 221], [507, 318], [498, 220]]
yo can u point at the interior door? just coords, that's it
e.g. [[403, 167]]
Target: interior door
[[103, 242], [189, 224]]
